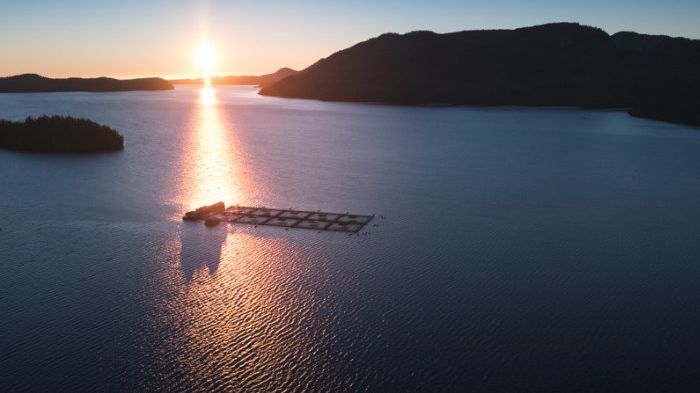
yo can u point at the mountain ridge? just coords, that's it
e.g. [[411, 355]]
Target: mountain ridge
[[558, 64]]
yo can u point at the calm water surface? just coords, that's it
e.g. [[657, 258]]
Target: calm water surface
[[523, 250]]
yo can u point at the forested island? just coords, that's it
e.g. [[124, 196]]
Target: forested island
[[33, 83], [559, 64], [58, 134]]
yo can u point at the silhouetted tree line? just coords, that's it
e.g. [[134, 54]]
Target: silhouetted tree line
[[560, 64], [58, 134]]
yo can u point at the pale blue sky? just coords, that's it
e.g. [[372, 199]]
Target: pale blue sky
[[138, 38]]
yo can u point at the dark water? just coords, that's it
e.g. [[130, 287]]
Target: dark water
[[523, 250]]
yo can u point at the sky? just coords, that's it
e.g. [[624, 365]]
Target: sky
[[131, 38]]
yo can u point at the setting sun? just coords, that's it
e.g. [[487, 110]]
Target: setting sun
[[206, 59]]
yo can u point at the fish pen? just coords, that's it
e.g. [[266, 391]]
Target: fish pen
[[217, 213]]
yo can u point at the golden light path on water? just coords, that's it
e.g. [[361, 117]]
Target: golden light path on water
[[234, 306], [212, 155]]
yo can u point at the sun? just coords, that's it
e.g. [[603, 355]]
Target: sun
[[205, 56]]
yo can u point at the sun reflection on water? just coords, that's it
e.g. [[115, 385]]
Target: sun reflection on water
[[235, 305], [214, 173], [207, 96]]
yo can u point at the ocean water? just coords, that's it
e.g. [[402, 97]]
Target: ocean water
[[522, 250]]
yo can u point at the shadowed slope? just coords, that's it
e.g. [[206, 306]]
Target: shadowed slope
[[561, 64]]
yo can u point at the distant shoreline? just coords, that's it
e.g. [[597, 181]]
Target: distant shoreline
[[621, 109], [33, 83], [255, 80]]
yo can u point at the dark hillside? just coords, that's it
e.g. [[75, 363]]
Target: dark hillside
[[561, 64]]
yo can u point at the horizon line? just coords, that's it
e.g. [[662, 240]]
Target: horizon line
[[193, 75]]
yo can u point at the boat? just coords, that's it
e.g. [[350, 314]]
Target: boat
[[218, 207], [191, 216], [212, 221]]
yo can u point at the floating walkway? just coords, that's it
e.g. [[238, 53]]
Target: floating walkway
[[214, 214]]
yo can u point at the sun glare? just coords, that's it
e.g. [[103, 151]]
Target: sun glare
[[206, 59]]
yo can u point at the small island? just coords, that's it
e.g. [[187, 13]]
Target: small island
[[59, 134]]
